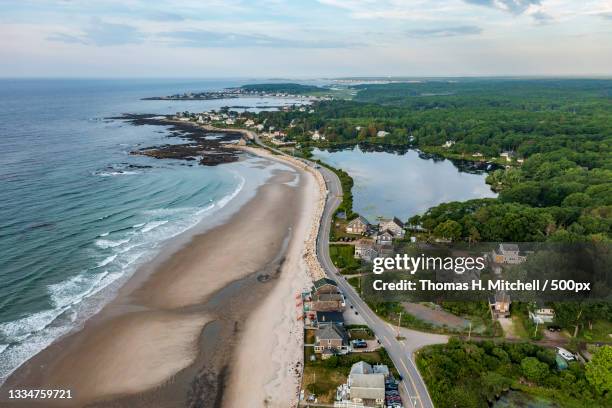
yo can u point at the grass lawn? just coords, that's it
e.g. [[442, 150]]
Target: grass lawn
[[322, 377], [362, 333], [599, 333], [343, 257]]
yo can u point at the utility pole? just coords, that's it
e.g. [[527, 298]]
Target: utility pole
[[535, 332], [470, 332], [399, 323]]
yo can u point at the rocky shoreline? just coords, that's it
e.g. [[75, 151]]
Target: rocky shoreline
[[207, 146]]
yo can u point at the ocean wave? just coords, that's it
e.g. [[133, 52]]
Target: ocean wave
[[107, 260], [107, 243], [22, 338], [153, 224], [116, 173]]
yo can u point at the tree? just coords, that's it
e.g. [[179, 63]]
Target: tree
[[534, 369], [449, 229], [599, 370]]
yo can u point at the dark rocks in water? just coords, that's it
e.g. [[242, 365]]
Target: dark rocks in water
[[199, 146]]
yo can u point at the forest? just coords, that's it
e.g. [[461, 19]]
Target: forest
[[557, 134], [466, 374]]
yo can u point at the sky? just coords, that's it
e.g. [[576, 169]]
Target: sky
[[304, 38]]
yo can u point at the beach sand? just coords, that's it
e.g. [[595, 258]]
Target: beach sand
[[213, 324]]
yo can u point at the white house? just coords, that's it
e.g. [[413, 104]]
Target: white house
[[381, 133], [395, 226], [542, 315], [448, 143]]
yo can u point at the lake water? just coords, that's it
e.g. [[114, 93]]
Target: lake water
[[402, 185]]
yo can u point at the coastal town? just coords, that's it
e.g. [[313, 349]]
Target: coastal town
[[345, 361]]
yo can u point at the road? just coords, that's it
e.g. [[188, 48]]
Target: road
[[400, 352], [413, 389]]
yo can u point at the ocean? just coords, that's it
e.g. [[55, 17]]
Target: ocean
[[78, 213]]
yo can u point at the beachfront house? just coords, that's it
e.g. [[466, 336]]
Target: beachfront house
[[395, 226], [365, 250], [327, 318], [366, 384], [508, 254], [381, 133], [358, 225], [332, 338]]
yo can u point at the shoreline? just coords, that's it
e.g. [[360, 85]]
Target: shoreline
[[174, 298]]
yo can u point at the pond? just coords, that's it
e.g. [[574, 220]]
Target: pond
[[388, 184]]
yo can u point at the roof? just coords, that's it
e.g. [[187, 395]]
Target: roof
[[361, 368], [367, 386], [332, 332], [360, 219], [328, 297], [330, 317], [324, 281], [509, 247], [395, 220], [381, 369], [386, 232], [364, 243]]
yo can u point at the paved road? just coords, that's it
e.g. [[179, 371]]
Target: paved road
[[413, 387]]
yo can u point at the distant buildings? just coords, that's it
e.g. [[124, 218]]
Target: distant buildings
[[508, 254]]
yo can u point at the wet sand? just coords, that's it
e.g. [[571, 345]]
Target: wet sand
[[178, 331]]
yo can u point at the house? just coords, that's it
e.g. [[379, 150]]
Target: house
[[326, 318], [448, 143], [365, 249], [324, 285], [507, 155], [358, 225], [381, 133], [331, 337], [395, 226], [259, 127], [317, 136], [366, 384], [249, 123], [477, 154], [327, 302], [508, 254], [501, 304], [384, 238], [542, 315]]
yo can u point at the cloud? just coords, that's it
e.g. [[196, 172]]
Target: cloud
[[513, 6], [214, 39], [101, 34], [542, 17], [444, 32]]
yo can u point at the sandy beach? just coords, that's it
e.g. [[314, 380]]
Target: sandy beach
[[213, 324]]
